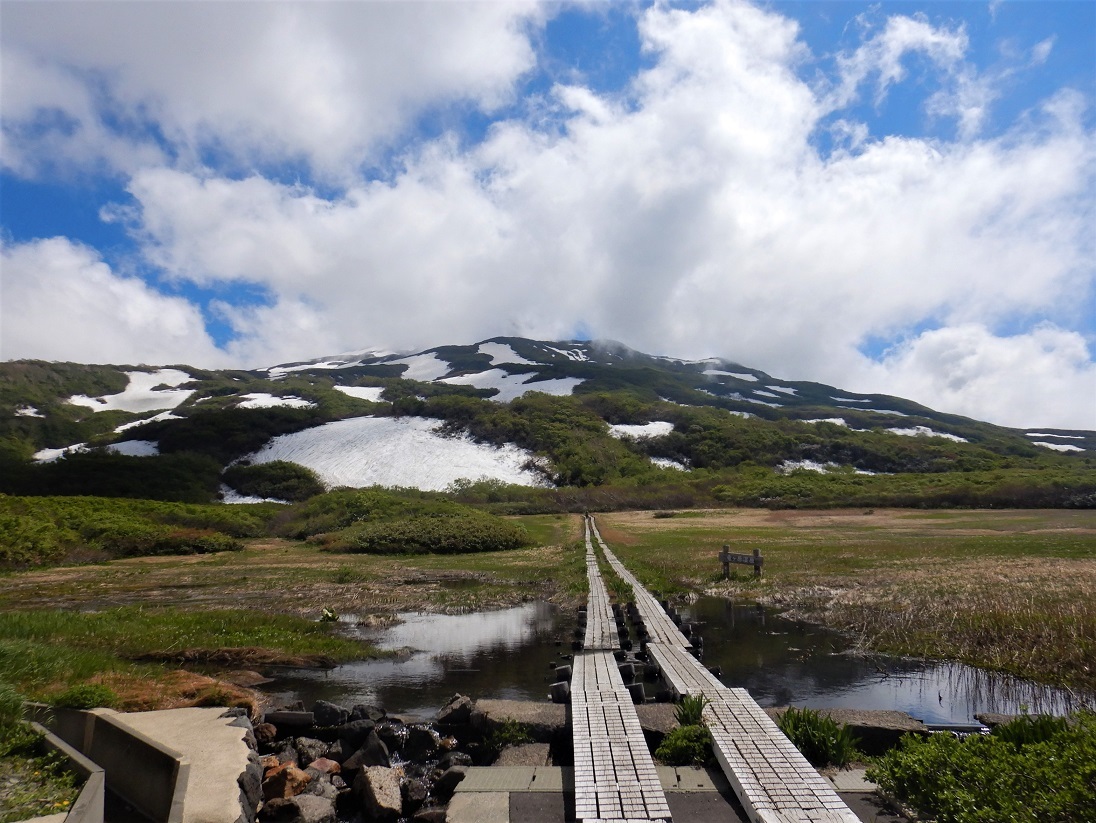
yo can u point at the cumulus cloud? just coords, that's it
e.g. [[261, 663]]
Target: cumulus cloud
[[61, 302], [1026, 378], [320, 83]]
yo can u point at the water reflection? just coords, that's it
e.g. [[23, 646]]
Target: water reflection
[[507, 654], [783, 662], [502, 654]]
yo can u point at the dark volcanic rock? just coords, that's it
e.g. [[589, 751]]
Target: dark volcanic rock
[[328, 714]]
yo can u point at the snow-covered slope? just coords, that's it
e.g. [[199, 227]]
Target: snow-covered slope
[[388, 451]]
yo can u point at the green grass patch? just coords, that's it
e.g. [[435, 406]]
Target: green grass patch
[[822, 740]]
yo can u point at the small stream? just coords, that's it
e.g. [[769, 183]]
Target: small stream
[[508, 654]]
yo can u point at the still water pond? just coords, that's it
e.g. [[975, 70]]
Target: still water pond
[[508, 654]]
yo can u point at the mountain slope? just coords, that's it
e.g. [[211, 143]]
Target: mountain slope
[[511, 410]]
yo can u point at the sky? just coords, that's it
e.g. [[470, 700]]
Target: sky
[[891, 197]]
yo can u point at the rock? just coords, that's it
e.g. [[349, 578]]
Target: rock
[[322, 788], [541, 720], [447, 783], [527, 754], [250, 782], [323, 765], [478, 720], [265, 733], [305, 808], [283, 781], [354, 733], [287, 753], [454, 759], [367, 711], [308, 750], [392, 735], [328, 714], [456, 712], [269, 761], [297, 720], [378, 791], [421, 744], [431, 815], [414, 795], [340, 750], [373, 753]]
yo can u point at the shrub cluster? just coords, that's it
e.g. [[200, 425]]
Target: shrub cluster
[[1025, 772], [448, 533], [821, 739], [278, 480]]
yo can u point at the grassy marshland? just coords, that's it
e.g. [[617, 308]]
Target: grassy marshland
[[1008, 590]]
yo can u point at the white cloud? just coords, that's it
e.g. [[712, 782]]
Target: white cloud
[[1019, 380], [61, 302], [326, 83]]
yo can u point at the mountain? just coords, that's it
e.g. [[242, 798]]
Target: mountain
[[514, 411]]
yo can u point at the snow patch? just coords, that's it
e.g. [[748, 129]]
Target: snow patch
[[925, 431], [512, 386], [578, 355], [1029, 434], [837, 421], [667, 463], [740, 414], [387, 451], [788, 466], [1058, 447], [154, 419], [49, 455], [718, 373], [370, 393], [233, 497], [135, 448], [762, 402], [656, 428], [276, 372], [848, 400], [765, 393], [28, 411], [140, 395], [502, 353], [262, 400], [783, 389], [426, 368]]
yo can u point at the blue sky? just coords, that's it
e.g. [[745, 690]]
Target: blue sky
[[890, 197]]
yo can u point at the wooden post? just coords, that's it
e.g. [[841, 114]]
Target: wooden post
[[726, 561], [757, 562]]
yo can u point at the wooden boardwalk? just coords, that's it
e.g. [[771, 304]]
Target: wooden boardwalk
[[771, 778], [615, 777]]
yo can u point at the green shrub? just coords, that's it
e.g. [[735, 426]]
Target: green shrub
[[690, 711], [279, 480], [821, 739], [453, 534], [1028, 729], [85, 696], [686, 746], [507, 733], [985, 778]]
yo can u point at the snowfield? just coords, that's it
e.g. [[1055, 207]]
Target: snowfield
[[28, 411], [501, 353], [1029, 434], [656, 428], [262, 400], [667, 463], [718, 373], [513, 386], [388, 451], [140, 395], [135, 448], [49, 455], [784, 389], [925, 431], [426, 368], [370, 393], [577, 355], [230, 495], [1058, 447], [837, 421]]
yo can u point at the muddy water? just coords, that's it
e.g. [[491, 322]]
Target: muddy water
[[508, 654]]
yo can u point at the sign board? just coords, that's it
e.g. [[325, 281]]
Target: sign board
[[728, 557]]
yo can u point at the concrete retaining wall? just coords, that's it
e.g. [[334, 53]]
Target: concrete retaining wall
[[88, 807]]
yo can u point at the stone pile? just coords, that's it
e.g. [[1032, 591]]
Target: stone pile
[[333, 763]]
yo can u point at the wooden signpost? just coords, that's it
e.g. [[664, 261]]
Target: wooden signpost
[[727, 557]]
